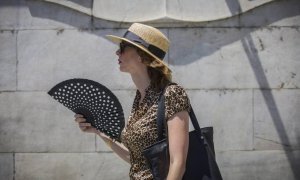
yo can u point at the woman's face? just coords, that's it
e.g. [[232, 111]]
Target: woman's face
[[129, 59]]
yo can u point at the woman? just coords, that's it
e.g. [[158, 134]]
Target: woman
[[141, 53]]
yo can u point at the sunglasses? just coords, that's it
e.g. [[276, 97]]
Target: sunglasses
[[123, 46]]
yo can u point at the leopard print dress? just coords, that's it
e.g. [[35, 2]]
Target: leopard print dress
[[141, 129]]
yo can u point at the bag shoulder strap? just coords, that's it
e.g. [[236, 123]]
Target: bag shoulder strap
[[161, 122], [194, 120]]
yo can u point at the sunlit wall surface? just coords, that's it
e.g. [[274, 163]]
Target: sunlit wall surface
[[238, 60]]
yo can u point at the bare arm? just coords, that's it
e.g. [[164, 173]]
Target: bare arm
[[117, 147], [178, 134]]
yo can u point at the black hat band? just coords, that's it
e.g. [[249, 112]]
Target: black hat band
[[153, 49]]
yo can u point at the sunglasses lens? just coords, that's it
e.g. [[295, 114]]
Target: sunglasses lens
[[124, 45], [121, 48]]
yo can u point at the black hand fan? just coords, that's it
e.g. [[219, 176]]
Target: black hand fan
[[94, 101]]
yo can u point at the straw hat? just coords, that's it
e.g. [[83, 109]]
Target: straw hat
[[146, 38]]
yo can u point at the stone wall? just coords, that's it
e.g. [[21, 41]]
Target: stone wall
[[240, 67]]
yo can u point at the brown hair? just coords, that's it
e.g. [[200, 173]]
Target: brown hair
[[160, 75]]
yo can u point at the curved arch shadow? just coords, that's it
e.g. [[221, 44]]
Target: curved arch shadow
[[199, 50], [274, 12]]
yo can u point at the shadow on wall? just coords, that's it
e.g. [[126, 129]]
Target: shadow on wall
[[85, 3], [270, 10], [275, 11], [261, 78]]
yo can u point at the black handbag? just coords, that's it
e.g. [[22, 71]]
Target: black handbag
[[200, 164]]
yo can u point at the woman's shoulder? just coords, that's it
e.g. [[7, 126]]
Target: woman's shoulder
[[176, 100], [176, 89]]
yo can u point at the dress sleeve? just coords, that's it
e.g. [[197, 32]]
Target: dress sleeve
[[176, 100]]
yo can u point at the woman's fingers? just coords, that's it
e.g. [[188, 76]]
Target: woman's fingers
[[85, 125], [78, 116], [80, 120]]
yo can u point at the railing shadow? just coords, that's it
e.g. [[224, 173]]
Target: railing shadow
[[261, 78], [270, 102]]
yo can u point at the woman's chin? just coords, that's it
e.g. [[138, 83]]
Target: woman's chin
[[122, 69]]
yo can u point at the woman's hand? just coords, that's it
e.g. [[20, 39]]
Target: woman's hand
[[118, 148], [87, 127], [83, 125]]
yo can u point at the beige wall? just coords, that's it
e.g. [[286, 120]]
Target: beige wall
[[238, 60]]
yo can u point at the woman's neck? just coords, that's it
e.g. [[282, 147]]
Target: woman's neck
[[141, 81]]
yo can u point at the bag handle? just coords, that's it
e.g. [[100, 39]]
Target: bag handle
[[161, 117], [194, 120]]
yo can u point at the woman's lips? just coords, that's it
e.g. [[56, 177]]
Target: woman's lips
[[119, 61]]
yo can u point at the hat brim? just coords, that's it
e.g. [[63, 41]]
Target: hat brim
[[117, 40]]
